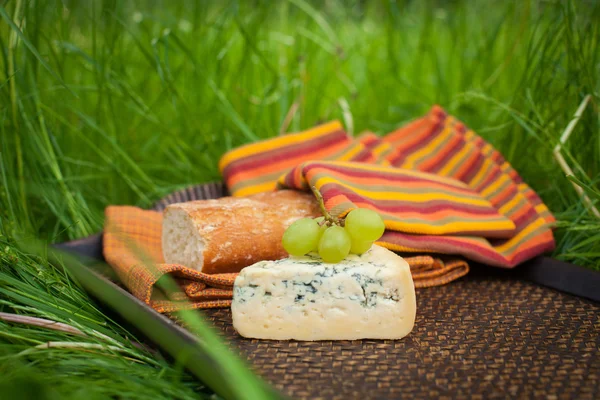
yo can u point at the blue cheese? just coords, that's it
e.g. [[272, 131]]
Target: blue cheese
[[370, 296]]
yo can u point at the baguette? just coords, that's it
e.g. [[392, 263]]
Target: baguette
[[228, 234]]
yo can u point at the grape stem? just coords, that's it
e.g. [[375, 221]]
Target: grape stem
[[328, 217]]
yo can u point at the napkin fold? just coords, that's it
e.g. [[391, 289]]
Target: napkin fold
[[439, 186], [132, 246], [407, 200]]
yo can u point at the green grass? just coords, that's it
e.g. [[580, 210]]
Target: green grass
[[116, 102], [29, 286]]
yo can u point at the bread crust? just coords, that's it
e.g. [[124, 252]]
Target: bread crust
[[238, 232]]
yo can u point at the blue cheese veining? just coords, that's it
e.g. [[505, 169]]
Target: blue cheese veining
[[368, 296]]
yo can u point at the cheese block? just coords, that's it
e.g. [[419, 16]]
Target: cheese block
[[371, 296]]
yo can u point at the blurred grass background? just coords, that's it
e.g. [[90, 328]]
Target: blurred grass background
[[121, 102]]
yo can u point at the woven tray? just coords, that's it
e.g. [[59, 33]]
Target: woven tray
[[491, 334]]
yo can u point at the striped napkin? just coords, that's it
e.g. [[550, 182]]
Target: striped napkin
[[439, 186]]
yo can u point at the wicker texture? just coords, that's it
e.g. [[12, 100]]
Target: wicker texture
[[480, 337], [212, 190], [487, 335], [484, 336]]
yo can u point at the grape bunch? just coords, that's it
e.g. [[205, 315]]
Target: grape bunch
[[330, 239]]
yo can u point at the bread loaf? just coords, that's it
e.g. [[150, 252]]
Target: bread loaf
[[228, 234]]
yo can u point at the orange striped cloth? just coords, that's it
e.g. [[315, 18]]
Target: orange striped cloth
[[132, 246], [439, 186], [255, 168], [408, 200]]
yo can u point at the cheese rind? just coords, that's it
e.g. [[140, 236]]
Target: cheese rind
[[370, 296]]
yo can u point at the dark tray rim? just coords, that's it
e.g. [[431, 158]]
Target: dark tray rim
[[545, 271]]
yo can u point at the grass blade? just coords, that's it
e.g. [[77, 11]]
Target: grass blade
[[33, 50], [204, 355]]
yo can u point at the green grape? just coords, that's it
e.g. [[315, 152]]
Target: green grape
[[360, 246], [322, 229], [364, 224], [301, 237], [334, 245]]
